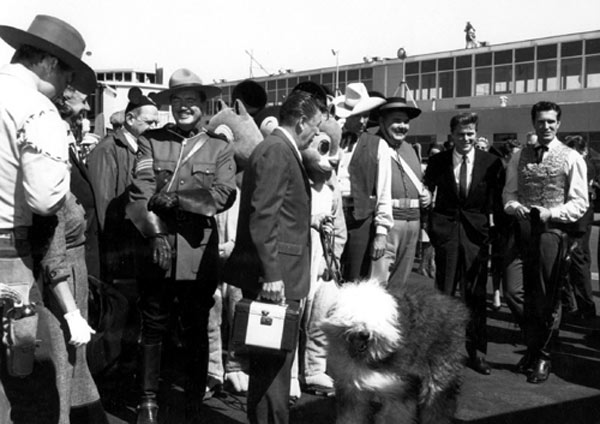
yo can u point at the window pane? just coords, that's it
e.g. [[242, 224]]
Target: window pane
[[463, 61], [570, 73], [483, 59], [483, 81], [592, 46], [445, 85], [546, 52], [413, 85], [503, 79], [592, 71], [445, 64], [428, 66], [427, 86], [463, 83], [412, 68], [503, 57], [327, 78], [547, 80], [524, 55], [352, 75], [366, 73], [524, 82], [574, 48]]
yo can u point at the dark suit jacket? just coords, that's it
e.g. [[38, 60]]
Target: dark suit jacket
[[455, 223], [273, 233], [81, 187]]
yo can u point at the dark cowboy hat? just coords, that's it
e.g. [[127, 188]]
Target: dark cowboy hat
[[399, 103], [59, 39], [184, 79]]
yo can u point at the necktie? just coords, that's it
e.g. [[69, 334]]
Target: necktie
[[539, 153], [462, 180]]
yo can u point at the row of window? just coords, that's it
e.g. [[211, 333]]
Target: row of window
[[127, 76], [564, 66]]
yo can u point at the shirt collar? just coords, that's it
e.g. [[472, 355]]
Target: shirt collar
[[130, 140], [458, 157], [20, 72], [291, 139]]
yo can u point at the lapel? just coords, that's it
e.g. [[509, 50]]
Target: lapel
[[448, 174], [75, 161], [283, 137], [478, 170]]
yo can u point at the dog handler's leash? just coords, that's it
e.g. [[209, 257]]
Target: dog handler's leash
[[331, 262]]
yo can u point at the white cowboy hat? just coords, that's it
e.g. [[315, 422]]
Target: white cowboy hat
[[355, 101]]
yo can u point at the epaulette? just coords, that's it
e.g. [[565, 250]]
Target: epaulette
[[213, 134]]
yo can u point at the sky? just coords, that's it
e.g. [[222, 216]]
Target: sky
[[211, 37]]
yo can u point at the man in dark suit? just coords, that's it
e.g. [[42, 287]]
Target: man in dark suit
[[271, 257], [467, 183]]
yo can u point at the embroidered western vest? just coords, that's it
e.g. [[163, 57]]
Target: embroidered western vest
[[543, 183]]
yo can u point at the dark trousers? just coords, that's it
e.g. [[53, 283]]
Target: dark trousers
[[356, 258], [471, 279], [195, 298], [269, 385], [541, 263], [580, 276]]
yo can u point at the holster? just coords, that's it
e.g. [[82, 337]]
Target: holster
[[20, 344]]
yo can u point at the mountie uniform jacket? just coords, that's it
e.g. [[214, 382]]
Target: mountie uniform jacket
[[201, 170]]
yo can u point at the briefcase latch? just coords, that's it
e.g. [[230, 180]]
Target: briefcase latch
[[265, 319]]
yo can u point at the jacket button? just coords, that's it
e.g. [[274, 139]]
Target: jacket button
[[182, 182], [52, 274]]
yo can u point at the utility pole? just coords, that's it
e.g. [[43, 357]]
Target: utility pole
[[253, 59]]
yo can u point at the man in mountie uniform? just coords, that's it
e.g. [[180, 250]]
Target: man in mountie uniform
[[183, 177]]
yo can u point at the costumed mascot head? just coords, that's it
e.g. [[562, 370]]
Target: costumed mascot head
[[395, 357], [322, 155], [236, 124]]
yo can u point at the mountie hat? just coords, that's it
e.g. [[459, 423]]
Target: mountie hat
[[137, 99], [399, 103], [184, 79], [59, 39], [355, 101]]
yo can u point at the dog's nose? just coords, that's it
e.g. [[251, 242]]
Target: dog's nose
[[360, 340]]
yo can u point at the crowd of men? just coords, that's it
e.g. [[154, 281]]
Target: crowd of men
[[333, 193]]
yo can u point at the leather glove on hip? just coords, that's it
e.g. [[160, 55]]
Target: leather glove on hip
[[81, 332], [162, 202], [161, 252]]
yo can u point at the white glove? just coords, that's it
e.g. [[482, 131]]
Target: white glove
[[81, 332]]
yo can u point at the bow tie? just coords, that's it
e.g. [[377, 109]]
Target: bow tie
[[539, 152]]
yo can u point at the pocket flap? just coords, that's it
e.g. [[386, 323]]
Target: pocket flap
[[203, 167]]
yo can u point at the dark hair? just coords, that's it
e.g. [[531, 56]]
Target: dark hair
[[544, 106], [29, 55], [250, 93], [298, 104], [576, 142], [463, 119], [61, 104], [315, 90]]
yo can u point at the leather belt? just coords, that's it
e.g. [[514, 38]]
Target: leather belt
[[405, 203]]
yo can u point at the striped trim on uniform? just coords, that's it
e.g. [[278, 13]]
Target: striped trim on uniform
[[144, 164]]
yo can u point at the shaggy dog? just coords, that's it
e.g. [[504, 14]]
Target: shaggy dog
[[395, 358]]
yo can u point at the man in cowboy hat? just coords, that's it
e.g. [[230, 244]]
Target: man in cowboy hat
[[183, 176], [34, 161], [364, 185], [407, 193]]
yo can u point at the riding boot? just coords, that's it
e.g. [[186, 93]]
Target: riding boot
[[147, 410]]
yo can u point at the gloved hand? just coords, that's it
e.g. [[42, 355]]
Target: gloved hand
[[162, 202], [81, 332], [161, 252]]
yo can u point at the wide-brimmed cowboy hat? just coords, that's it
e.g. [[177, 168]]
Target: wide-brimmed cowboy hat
[[399, 103], [59, 39], [184, 79], [355, 101]]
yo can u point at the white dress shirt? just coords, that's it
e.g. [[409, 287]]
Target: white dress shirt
[[457, 159]]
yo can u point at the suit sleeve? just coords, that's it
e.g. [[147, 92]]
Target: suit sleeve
[[272, 180], [102, 169]]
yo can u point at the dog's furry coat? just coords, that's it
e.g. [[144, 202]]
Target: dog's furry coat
[[395, 358]]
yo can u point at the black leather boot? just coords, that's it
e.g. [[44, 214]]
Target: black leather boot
[[196, 355], [147, 410]]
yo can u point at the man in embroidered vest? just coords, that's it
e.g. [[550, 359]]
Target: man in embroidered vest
[[366, 193], [407, 193], [546, 189], [467, 186], [183, 176]]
